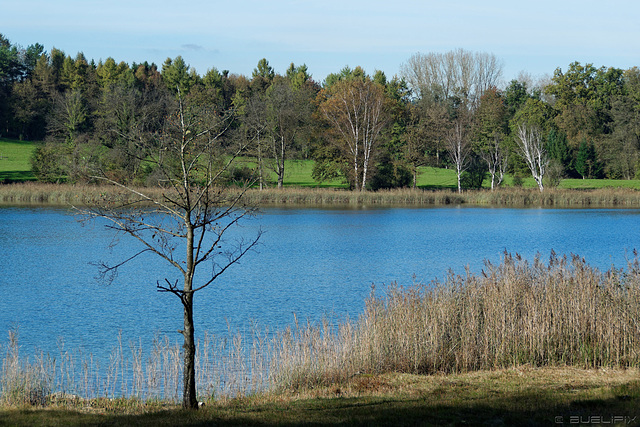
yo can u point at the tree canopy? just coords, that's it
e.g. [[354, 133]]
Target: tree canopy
[[84, 112]]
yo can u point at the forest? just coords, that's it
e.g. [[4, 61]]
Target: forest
[[448, 110]]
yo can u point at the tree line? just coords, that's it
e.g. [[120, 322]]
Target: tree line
[[443, 109]]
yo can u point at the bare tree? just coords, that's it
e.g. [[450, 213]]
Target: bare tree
[[187, 223], [531, 146], [459, 147], [255, 124], [288, 111], [436, 77], [496, 156]]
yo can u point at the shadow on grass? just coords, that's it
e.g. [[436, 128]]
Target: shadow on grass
[[522, 409], [16, 176]]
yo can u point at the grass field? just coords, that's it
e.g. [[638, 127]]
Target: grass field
[[15, 160]]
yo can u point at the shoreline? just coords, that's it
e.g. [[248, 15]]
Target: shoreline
[[64, 195]]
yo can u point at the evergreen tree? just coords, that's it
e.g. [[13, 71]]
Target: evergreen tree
[[587, 164]]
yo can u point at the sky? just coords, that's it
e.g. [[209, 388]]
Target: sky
[[534, 37]]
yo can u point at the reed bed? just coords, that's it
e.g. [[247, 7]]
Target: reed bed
[[559, 313], [31, 193], [35, 193], [225, 368], [503, 197]]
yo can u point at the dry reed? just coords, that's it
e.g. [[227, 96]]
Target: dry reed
[[560, 313], [66, 194], [556, 313], [224, 368]]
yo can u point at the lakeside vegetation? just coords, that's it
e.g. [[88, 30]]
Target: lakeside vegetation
[[446, 110], [520, 341], [434, 188], [560, 318], [65, 195]]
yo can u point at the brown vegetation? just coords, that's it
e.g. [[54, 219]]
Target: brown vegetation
[[66, 194], [560, 313]]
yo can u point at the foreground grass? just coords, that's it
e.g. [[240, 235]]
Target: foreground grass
[[518, 396]]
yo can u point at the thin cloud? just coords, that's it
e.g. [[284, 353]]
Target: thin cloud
[[194, 47]]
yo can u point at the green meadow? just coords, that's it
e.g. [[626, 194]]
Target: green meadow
[[15, 166], [15, 160]]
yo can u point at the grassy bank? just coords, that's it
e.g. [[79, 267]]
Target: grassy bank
[[519, 341], [519, 396], [33, 193]]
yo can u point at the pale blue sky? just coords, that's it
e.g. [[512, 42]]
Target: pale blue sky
[[533, 36]]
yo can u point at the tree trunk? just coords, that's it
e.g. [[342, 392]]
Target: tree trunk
[[415, 176], [280, 163], [364, 178], [357, 178], [261, 173], [189, 398]]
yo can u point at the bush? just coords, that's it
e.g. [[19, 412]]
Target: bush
[[518, 181], [45, 163], [555, 173], [475, 174], [391, 175]]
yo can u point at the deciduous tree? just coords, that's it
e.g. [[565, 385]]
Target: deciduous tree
[[530, 143], [288, 111], [490, 131], [187, 225], [357, 111], [459, 145], [437, 77]]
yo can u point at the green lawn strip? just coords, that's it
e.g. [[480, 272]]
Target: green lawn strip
[[599, 183], [298, 173], [15, 165], [429, 177], [15, 160], [519, 396]]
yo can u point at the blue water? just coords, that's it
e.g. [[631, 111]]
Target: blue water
[[309, 262]]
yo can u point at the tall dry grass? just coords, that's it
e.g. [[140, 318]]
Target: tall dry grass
[[32, 193], [225, 367], [36, 193], [562, 312]]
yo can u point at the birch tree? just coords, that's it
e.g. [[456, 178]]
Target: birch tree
[[459, 147], [356, 110], [496, 156], [531, 146], [490, 128], [187, 220]]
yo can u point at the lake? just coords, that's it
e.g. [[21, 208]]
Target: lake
[[310, 262]]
